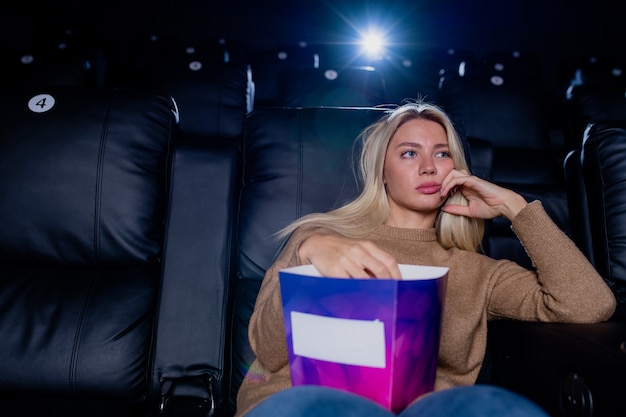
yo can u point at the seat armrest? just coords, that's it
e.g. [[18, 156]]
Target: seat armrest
[[195, 288]]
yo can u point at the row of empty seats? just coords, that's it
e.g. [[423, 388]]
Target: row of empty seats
[[520, 136]]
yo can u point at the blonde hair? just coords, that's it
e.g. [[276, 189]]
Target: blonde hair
[[361, 216]]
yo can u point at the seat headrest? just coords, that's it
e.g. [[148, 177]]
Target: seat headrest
[[83, 176]]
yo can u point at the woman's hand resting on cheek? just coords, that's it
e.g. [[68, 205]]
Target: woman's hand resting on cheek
[[342, 257], [486, 200]]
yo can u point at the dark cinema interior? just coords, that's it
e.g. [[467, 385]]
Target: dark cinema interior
[[150, 149]]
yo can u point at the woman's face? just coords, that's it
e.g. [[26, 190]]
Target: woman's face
[[416, 162]]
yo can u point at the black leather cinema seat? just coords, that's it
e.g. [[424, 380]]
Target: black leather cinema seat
[[209, 80], [595, 97], [114, 255], [577, 370], [592, 102], [267, 62], [297, 161], [602, 170], [83, 198]]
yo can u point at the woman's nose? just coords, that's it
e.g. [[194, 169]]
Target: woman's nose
[[428, 167]]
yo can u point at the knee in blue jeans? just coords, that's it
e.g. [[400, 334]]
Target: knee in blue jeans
[[474, 401], [470, 401]]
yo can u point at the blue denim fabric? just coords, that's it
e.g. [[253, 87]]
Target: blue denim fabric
[[473, 401]]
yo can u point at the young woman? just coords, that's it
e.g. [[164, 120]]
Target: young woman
[[421, 205]]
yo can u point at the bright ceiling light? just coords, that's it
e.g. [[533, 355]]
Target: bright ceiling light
[[373, 44]]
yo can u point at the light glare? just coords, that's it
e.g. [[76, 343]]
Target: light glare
[[373, 44]]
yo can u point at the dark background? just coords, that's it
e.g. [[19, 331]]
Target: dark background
[[552, 29], [545, 26]]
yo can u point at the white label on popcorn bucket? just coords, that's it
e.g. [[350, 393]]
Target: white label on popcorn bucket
[[347, 341]]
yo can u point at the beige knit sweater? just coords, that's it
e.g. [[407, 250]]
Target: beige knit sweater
[[565, 288]]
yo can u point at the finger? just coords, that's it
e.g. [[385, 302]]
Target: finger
[[453, 181], [380, 264], [352, 269], [457, 209], [380, 270]]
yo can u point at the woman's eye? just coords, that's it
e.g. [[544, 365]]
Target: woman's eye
[[409, 154], [443, 154]]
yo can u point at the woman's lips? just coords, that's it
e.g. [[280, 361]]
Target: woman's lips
[[429, 188]]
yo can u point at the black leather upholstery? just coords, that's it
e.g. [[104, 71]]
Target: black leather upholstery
[[577, 203], [297, 161], [192, 348], [115, 265], [267, 63], [84, 197], [209, 96], [592, 102], [595, 95], [96, 166], [210, 82], [581, 366], [603, 168]]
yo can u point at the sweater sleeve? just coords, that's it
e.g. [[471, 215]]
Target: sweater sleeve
[[266, 330], [565, 286]]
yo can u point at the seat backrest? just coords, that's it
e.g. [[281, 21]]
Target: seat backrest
[[267, 63], [595, 96], [592, 102], [577, 203], [69, 153], [297, 161], [507, 110], [603, 169], [209, 80], [84, 198]]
